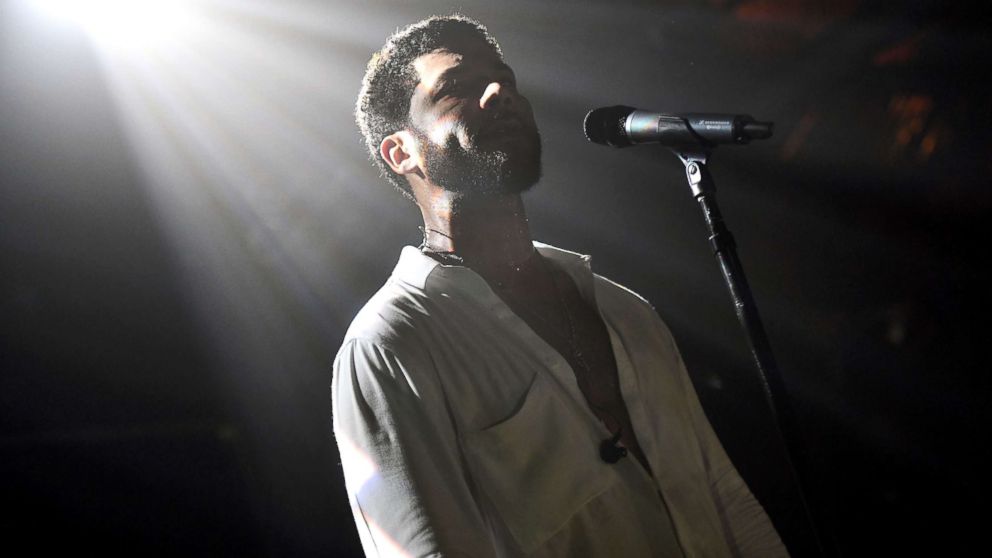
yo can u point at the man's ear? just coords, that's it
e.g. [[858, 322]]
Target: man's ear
[[399, 150]]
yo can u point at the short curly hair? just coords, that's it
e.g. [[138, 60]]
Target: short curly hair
[[383, 105]]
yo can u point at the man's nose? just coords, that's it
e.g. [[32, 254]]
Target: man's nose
[[493, 96]]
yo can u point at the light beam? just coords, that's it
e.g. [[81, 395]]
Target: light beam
[[124, 23]]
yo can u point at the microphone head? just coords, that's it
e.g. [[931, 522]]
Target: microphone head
[[757, 130], [607, 126]]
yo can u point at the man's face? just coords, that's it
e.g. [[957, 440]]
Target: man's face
[[475, 130]]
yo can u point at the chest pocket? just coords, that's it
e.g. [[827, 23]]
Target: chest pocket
[[539, 466]]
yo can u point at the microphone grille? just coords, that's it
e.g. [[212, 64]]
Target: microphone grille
[[606, 126]]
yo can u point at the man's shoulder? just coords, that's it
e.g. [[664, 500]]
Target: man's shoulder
[[391, 316]]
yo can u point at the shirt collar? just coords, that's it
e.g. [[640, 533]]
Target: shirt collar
[[424, 272]]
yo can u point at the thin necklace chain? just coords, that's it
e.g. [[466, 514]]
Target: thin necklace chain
[[509, 272]]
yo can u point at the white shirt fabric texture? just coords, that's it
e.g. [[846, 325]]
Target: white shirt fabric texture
[[463, 433]]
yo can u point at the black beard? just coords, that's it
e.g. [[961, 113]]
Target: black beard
[[483, 171]]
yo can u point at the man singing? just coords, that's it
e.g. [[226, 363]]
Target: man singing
[[495, 397]]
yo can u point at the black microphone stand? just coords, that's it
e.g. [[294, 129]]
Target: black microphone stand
[[704, 190]]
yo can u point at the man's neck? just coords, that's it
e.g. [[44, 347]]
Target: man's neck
[[488, 232]]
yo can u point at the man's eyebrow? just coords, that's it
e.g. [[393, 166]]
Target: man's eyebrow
[[437, 88], [451, 72], [455, 71]]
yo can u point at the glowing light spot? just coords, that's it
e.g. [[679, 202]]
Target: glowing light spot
[[799, 135], [927, 145], [911, 116], [903, 136], [902, 52], [124, 22]]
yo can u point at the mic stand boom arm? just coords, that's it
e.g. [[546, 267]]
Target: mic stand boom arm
[[704, 190]]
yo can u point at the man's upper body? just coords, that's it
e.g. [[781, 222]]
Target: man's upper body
[[463, 433], [474, 392]]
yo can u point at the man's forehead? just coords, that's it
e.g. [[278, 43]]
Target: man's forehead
[[430, 66]]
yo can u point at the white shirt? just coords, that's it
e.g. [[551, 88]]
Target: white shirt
[[462, 433]]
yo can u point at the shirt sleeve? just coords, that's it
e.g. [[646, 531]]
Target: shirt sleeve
[[402, 465], [749, 530]]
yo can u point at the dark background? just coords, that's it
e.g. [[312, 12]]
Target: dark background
[[185, 236]]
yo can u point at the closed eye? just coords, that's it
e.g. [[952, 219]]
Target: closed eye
[[450, 86], [457, 85]]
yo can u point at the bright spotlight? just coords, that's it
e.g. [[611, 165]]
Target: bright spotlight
[[131, 23]]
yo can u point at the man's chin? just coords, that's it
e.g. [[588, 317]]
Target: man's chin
[[486, 170], [518, 181], [522, 168], [518, 173]]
